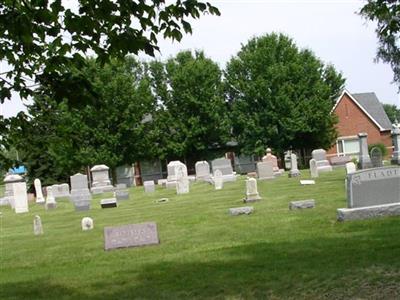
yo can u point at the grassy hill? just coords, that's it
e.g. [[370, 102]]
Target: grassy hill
[[204, 252]]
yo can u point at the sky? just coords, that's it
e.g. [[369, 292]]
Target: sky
[[331, 29]]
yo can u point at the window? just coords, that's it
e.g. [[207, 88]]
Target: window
[[348, 146]]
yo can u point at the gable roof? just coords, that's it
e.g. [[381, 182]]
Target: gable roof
[[371, 106]]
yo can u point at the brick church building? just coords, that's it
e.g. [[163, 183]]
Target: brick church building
[[360, 113]]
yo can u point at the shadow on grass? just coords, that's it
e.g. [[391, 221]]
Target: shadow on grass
[[364, 264]]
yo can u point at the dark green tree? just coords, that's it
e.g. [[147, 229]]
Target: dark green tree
[[191, 119], [281, 96], [386, 13], [43, 41], [392, 111]]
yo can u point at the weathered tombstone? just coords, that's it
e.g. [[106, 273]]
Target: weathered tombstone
[[350, 167], [125, 174], [20, 197], [50, 200], [302, 204], [100, 180], [294, 171], [37, 225], [182, 181], [39, 193], [87, 223], [269, 157], [149, 186], [218, 180], [60, 190], [171, 169], [80, 194], [162, 182], [121, 193], [323, 164], [225, 166], [396, 143], [202, 171], [288, 158], [245, 210], [9, 181], [108, 203], [376, 157], [313, 168], [133, 235], [265, 170], [364, 161], [251, 190]]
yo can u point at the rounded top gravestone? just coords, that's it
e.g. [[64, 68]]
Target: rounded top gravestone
[[376, 157], [99, 168]]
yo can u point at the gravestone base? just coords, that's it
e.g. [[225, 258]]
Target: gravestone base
[[295, 173], [101, 189], [108, 203], [252, 198], [229, 178], [302, 204], [322, 169], [360, 213], [162, 182]]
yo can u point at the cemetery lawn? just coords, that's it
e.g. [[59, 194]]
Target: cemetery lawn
[[204, 252]]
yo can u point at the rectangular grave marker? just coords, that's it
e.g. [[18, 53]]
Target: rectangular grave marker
[[132, 235]]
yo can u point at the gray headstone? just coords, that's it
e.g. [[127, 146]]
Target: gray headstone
[[373, 187], [108, 203], [202, 170], [265, 170], [396, 143], [302, 204], [133, 235], [80, 194], [149, 186], [348, 214], [121, 195], [376, 157], [313, 168], [222, 164], [364, 161], [245, 210], [37, 226], [125, 175]]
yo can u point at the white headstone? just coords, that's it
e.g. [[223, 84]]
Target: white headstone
[[60, 190], [149, 186], [37, 226], [294, 171], [350, 167], [171, 169], [9, 180], [182, 180], [218, 180], [251, 190], [39, 193], [323, 164], [202, 170], [313, 168], [50, 200], [100, 179], [87, 223], [20, 197]]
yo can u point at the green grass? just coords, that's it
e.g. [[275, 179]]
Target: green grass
[[205, 253]]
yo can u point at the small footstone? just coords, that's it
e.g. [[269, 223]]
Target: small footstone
[[108, 203], [245, 210], [302, 204], [307, 182]]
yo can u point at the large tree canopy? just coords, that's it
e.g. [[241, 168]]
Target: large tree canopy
[[387, 14], [191, 118], [392, 111], [281, 96], [42, 41]]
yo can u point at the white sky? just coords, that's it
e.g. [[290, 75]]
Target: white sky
[[331, 29]]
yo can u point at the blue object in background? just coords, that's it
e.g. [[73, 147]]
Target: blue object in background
[[19, 170]]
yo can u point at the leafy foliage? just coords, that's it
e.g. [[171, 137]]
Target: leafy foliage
[[387, 15], [381, 147], [43, 41], [392, 111], [281, 96]]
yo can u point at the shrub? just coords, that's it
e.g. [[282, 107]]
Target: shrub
[[381, 146]]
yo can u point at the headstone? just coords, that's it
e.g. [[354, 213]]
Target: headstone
[[376, 157], [125, 175], [149, 186], [162, 182], [288, 159], [302, 204], [39, 193], [61, 190], [9, 180], [265, 170], [245, 210], [350, 167], [364, 161], [218, 180], [87, 223], [323, 164], [20, 197], [396, 143], [225, 166], [202, 171], [182, 181], [121, 194], [307, 182], [37, 226], [294, 171], [373, 187], [368, 212], [133, 235], [171, 184], [100, 180], [80, 194], [313, 168], [171, 169], [251, 190], [50, 200], [121, 186], [108, 203], [269, 157]]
